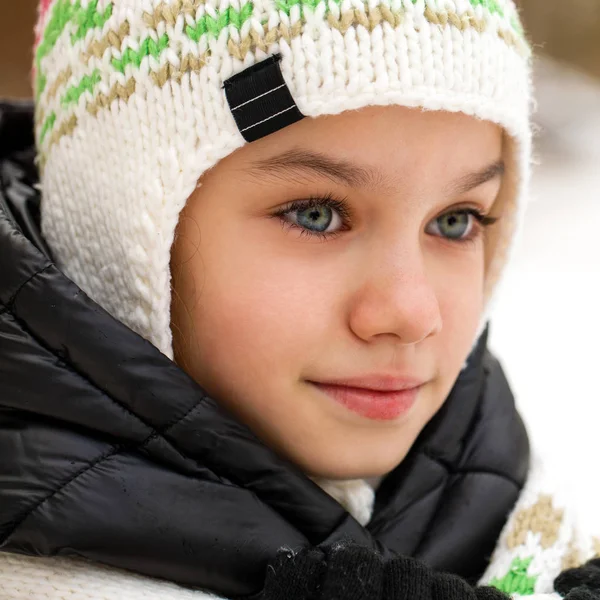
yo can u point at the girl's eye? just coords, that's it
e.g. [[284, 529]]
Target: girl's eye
[[460, 225], [322, 217], [316, 218]]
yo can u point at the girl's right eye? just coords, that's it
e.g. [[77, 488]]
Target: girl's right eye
[[320, 217]]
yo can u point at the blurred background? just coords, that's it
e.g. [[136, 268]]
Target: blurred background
[[547, 327]]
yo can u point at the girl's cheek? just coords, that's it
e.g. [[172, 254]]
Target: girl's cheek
[[460, 296]]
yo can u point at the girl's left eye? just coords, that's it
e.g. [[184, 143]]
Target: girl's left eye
[[460, 225]]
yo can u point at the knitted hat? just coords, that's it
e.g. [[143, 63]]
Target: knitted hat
[[137, 98]]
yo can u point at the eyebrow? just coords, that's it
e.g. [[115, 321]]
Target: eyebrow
[[350, 174], [473, 180]]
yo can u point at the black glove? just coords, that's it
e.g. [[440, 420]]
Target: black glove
[[582, 583], [346, 571]]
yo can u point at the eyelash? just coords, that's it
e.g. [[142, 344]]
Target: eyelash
[[343, 209]]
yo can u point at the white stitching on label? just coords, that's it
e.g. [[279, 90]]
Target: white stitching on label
[[268, 118], [257, 97]]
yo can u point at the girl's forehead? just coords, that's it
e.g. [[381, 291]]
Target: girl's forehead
[[371, 147]]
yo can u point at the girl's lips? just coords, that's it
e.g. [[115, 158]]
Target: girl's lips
[[372, 404]]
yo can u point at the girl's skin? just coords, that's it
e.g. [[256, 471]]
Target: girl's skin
[[262, 305]]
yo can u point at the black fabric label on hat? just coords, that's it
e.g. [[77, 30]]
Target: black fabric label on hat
[[260, 100]]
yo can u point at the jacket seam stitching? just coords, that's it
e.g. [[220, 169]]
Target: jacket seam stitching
[[450, 472], [152, 432], [88, 467], [487, 472], [8, 306], [465, 471], [115, 450]]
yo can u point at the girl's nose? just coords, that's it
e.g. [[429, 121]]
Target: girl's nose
[[396, 298]]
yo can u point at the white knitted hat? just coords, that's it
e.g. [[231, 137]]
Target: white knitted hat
[[132, 109]]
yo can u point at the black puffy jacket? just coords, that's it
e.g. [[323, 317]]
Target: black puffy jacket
[[109, 451]]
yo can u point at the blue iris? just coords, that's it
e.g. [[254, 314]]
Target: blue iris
[[315, 218], [454, 225]]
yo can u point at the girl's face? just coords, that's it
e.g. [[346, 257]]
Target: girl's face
[[340, 248]]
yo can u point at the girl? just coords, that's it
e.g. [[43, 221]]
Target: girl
[[294, 216]]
